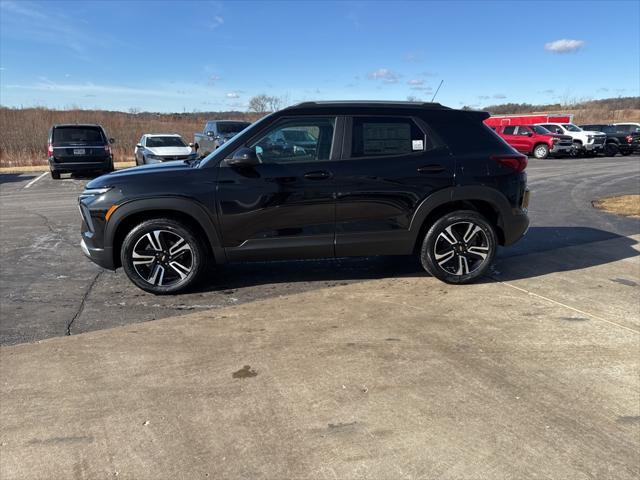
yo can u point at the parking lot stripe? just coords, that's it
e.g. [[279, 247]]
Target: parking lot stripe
[[582, 312], [35, 180]]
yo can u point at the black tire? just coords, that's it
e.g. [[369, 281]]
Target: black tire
[[158, 270], [55, 175], [109, 169], [626, 154], [541, 151], [464, 265]]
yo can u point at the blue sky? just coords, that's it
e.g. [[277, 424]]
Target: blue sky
[[214, 55]]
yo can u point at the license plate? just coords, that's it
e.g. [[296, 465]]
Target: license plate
[[525, 199], [78, 151]]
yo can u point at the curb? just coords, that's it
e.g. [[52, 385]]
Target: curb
[[44, 168]]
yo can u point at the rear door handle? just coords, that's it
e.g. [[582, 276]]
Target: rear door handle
[[428, 169], [317, 175]]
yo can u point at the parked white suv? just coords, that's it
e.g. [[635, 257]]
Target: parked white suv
[[583, 140]]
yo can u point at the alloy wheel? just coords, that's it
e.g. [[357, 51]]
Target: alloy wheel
[[461, 248], [162, 258]]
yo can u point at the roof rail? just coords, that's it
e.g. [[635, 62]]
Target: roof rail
[[364, 103]]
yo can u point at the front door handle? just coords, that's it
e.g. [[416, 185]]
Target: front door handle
[[317, 175], [428, 169]]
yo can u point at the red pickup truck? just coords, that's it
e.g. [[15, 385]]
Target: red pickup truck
[[535, 140]]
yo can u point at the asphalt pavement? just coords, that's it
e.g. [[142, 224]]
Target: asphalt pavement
[[50, 289]]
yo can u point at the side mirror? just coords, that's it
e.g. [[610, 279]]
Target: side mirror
[[139, 145], [243, 157], [529, 134], [210, 133], [112, 140], [192, 145]]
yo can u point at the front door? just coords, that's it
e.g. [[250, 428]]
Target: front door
[[283, 207]]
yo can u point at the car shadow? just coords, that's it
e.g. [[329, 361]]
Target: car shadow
[[15, 177], [547, 244]]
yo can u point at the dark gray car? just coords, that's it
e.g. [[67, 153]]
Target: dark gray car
[[216, 133]]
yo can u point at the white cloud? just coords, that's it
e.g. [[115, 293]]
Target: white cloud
[[384, 74], [233, 95], [216, 22], [416, 81], [564, 45], [213, 79], [500, 96], [46, 85]]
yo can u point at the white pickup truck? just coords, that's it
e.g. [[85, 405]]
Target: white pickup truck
[[584, 141]]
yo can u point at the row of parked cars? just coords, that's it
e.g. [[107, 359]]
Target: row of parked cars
[[75, 148], [563, 138], [82, 148]]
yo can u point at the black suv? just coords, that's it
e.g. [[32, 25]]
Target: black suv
[[76, 148], [317, 180]]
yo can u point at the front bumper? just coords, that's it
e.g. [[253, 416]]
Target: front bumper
[[100, 256], [561, 149]]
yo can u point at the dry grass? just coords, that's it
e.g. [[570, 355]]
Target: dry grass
[[627, 205], [23, 132]]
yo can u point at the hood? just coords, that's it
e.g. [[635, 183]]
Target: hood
[[593, 132], [128, 173], [561, 137], [170, 151]]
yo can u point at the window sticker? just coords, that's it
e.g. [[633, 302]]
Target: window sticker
[[417, 145]]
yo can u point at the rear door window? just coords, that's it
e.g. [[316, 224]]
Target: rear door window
[[68, 136], [386, 136], [509, 131], [523, 131]]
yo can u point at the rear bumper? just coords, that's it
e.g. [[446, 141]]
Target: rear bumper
[[103, 164], [515, 226]]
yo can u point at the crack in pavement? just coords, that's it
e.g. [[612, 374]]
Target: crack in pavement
[[53, 230], [83, 301]]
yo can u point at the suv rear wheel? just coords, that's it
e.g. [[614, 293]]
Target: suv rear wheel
[[459, 247], [55, 175], [163, 256]]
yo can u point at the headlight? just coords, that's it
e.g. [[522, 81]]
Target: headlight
[[93, 192], [154, 157], [589, 138]]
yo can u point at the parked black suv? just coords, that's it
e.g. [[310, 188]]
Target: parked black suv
[[367, 178], [620, 139], [78, 148]]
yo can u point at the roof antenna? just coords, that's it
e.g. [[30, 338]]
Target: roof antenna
[[437, 90]]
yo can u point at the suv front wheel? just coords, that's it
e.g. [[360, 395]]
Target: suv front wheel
[[459, 247], [163, 256]]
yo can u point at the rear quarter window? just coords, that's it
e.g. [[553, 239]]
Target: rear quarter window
[[468, 135]]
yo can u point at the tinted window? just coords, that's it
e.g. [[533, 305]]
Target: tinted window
[[466, 134], [509, 130], [231, 128], [63, 136], [376, 136], [154, 142], [523, 131], [540, 130], [302, 140], [553, 128]]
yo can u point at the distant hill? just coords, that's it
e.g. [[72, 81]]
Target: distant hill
[[606, 110]]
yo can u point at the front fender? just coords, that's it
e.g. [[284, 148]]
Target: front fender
[[180, 205]]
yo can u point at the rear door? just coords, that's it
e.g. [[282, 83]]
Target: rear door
[[525, 139], [509, 134], [389, 164], [79, 144]]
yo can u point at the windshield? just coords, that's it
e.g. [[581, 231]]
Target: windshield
[[571, 127], [233, 128], [154, 142], [68, 136], [540, 130]]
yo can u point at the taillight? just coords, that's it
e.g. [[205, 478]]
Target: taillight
[[107, 149], [50, 150], [629, 138], [515, 161]]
